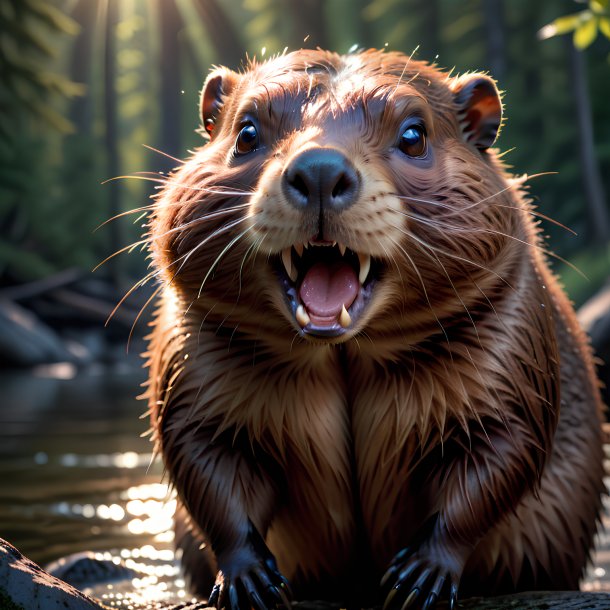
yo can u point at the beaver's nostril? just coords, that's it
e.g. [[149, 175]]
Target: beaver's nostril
[[298, 184]]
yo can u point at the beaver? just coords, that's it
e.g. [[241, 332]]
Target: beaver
[[365, 382]]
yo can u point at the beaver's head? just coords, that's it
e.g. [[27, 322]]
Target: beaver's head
[[340, 195]]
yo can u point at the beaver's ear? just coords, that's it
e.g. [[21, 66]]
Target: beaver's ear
[[479, 109], [213, 95]]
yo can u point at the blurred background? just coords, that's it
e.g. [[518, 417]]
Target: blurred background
[[91, 90]]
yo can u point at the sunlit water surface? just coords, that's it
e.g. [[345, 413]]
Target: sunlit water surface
[[76, 475]]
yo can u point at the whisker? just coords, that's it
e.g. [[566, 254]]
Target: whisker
[[141, 312], [458, 211], [152, 238], [141, 282], [439, 225], [423, 285], [438, 260], [168, 182], [453, 256], [160, 152], [516, 183], [392, 258], [224, 251], [216, 233]]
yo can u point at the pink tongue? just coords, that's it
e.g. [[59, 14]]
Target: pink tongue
[[326, 288]]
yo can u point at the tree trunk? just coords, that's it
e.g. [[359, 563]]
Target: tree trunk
[[169, 19], [81, 108], [495, 38], [593, 188], [224, 36], [429, 40], [308, 18]]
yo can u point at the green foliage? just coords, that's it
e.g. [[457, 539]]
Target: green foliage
[[590, 271], [26, 83], [29, 221], [585, 25]]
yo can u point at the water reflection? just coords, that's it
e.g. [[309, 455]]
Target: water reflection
[[75, 474]]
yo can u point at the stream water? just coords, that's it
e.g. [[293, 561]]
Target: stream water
[[76, 474]]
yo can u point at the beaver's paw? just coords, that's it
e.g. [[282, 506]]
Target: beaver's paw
[[249, 578], [417, 578], [260, 588]]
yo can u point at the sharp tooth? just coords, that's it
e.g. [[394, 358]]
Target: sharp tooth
[[334, 244], [365, 267], [302, 317], [299, 249], [311, 243], [305, 245], [342, 249], [344, 318], [287, 260]]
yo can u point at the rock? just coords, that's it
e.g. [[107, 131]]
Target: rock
[[83, 570], [26, 586]]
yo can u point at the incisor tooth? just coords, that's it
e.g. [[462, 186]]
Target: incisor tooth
[[344, 318], [299, 249], [287, 260], [342, 249], [365, 267], [302, 316]]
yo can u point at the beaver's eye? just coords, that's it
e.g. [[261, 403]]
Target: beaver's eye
[[413, 141], [247, 139]]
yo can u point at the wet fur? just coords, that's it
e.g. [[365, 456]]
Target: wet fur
[[460, 417]]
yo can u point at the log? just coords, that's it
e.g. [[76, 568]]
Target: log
[[22, 292], [27, 341]]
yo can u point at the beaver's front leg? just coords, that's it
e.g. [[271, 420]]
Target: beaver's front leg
[[230, 496], [488, 471]]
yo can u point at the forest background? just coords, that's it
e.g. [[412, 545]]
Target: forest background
[[89, 87]]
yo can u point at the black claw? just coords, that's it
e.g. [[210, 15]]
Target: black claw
[[430, 602], [408, 570], [214, 594], [400, 555], [386, 577], [233, 598], [277, 595], [274, 592], [263, 578], [437, 587], [256, 600], [411, 599], [423, 577], [453, 596], [391, 595], [285, 601]]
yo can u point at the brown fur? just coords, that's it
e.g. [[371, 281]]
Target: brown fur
[[460, 417]]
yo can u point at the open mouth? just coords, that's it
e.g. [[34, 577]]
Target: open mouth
[[327, 285]]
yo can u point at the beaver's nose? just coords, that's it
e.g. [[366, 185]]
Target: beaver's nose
[[321, 178]]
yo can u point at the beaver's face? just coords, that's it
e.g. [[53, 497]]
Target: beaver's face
[[353, 194]]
